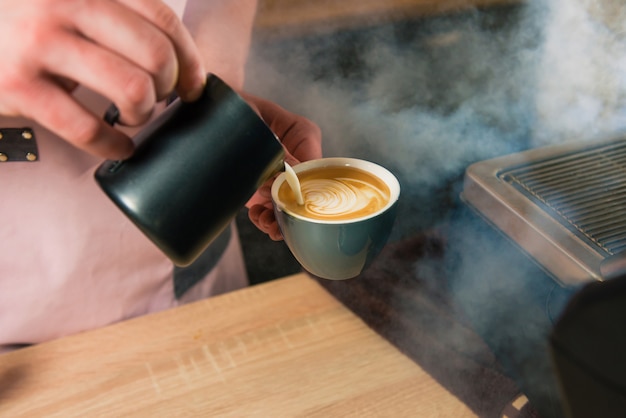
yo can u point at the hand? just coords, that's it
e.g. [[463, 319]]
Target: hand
[[134, 52], [302, 140]]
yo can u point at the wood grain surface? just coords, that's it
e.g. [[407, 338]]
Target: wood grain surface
[[301, 17], [281, 349]]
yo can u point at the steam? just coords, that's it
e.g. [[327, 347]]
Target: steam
[[427, 99], [423, 101], [582, 76]]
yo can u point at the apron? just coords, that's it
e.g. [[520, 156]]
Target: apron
[[70, 261]]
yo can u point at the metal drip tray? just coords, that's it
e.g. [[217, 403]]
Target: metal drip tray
[[563, 205]]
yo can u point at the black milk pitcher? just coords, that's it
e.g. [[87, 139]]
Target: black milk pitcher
[[194, 168]]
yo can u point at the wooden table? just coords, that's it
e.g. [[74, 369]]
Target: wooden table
[[301, 17], [281, 349]]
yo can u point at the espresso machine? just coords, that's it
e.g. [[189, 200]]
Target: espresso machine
[[539, 268]]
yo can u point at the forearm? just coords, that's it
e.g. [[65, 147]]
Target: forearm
[[222, 30]]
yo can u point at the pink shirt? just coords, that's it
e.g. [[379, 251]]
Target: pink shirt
[[69, 259]]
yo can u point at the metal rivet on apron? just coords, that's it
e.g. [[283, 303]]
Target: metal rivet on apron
[[0, 135], [3, 157], [31, 157], [27, 135]]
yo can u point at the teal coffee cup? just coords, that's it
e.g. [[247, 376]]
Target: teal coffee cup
[[347, 216]]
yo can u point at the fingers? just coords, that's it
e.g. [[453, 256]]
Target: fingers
[[265, 191], [134, 52], [129, 37], [127, 85], [264, 219], [301, 137], [191, 75], [71, 121], [147, 54], [302, 140]]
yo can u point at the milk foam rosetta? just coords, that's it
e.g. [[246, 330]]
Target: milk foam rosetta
[[336, 193]]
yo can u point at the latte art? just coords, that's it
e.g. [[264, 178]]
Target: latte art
[[340, 197], [337, 193]]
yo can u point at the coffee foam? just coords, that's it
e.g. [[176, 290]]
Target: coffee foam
[[342, 197], [337, 193]]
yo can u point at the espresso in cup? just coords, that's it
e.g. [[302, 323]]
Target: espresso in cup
[[336, 193], [348, 213]]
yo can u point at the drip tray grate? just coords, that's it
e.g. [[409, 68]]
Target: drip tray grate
[[585, 191], [563, 205]]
